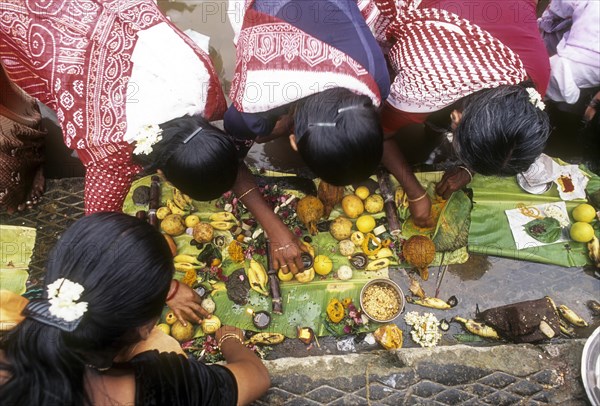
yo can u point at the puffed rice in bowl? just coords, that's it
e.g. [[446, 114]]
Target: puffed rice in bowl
[[381, 300]]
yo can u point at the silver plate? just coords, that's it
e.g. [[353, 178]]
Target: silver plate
[[535, 190], [590, 367]]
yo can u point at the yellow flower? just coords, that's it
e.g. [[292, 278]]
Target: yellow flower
[[236, 253], [189, 278]]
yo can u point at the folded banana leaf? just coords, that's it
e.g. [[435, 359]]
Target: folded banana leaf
[[16, 249]]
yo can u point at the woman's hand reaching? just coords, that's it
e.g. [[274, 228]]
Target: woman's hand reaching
[[453, 180], [420, 211], [185, 303], [286, 249]]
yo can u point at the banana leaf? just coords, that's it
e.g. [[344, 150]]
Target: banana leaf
[[16, 249], [304, 304], [490, 233]]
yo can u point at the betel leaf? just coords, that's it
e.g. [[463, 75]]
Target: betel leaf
[[545, 230]]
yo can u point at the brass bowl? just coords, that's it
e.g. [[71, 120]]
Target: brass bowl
[[387, 285]]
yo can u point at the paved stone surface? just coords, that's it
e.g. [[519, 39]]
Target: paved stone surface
[[475, 374]]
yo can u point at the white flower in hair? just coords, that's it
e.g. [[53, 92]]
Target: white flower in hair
[[145, 138], [62, 295], [535, 98]]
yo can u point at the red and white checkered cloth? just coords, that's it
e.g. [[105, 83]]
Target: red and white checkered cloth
[[437, 56]]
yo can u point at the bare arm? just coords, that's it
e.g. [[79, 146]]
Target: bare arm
[[394, 161], [285, 246], [250, 373]]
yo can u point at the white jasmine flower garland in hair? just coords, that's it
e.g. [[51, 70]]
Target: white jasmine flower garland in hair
[[425, 331], [62, 295], [145, 138], [535, 98]]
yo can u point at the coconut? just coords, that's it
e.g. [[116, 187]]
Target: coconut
[[419, 251]]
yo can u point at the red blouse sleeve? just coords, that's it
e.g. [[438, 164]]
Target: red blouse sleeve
[[393, 119]]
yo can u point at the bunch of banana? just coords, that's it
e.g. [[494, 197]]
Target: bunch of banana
[[477, 328], [258, 278], [223, 220], [180, 203], [266, 338], [594, 251]]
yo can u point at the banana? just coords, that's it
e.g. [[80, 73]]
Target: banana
[[221, 225], [222, 216], [261, 272], [187, 199], [566, 329], [551, 301], [384, 252], [162, 212], [432, 302], [400, 197], [175, 209], [180, 200], [257, 276], [310, 248], [477, 328], [416, 289], [570, 316], [266, 338], [378, 264], [186, 258], [594, 251], [185, 266]]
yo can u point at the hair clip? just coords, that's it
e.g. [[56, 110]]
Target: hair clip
[[353, 107], [192, 135], [39, 310], [322, 125]]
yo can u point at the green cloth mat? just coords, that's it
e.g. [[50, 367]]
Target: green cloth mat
[[16, 249], [490, 232]]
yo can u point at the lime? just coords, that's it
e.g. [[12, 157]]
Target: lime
[[584, 212], [582, 232], [191, 220], [165, 328], [365, 223], [362, 192], [323, 264]]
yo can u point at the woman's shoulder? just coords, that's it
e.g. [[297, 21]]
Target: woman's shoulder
[[171, 378]]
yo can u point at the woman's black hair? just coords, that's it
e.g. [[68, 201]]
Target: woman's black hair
[[125, 267], [204, 167], [501, 131], [339, 135]]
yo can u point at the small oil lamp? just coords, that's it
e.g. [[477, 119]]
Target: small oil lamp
[[260, 319]]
